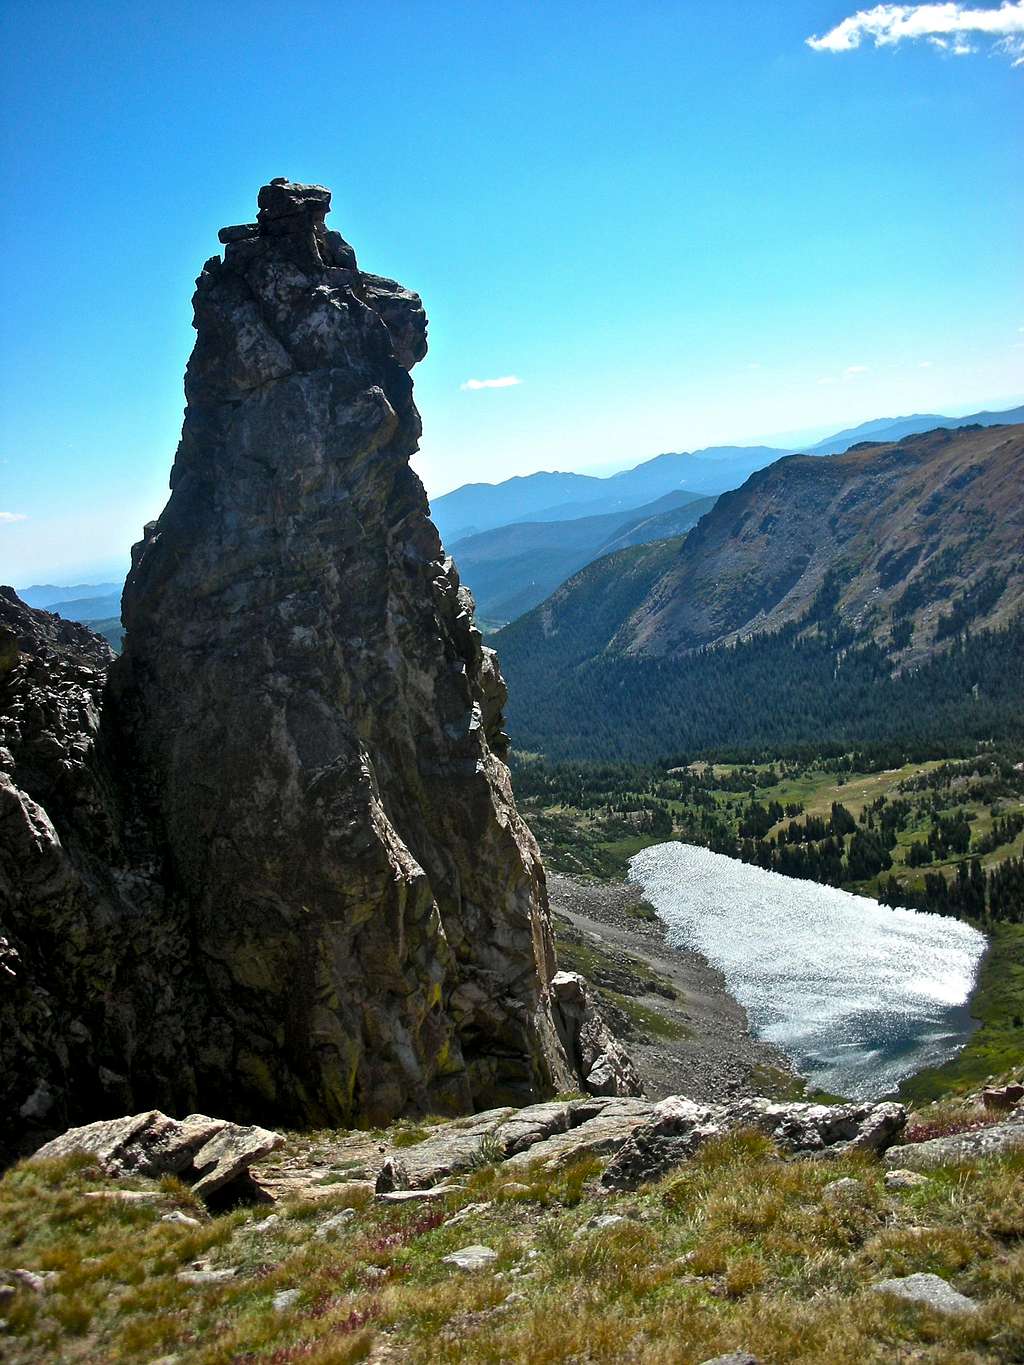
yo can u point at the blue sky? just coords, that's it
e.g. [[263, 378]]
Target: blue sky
[[675, 224]]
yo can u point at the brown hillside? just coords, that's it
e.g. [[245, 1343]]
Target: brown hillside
[[931, 527]]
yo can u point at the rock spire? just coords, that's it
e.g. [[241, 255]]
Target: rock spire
[[297, 874]]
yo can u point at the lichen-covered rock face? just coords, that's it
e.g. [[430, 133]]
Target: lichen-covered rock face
[[310, 725]]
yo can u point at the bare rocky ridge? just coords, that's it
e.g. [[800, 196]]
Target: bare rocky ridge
[[283, 876]]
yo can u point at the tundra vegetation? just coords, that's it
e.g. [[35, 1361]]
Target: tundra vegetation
[[736, 1248]]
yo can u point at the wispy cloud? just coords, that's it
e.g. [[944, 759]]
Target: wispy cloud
[[851, 372], [924, 364], [949, 26], [505, 381], [6, 517]]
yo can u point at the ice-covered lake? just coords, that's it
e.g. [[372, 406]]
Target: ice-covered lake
[[857, 994]]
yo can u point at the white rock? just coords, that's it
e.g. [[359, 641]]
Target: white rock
[[931, 1290], [471, 1257], [839, 1189], [904, 1180], [207, 1276], [334, 1225], [416, 1196], [284, 1300], [183, 1218], [468, 1212]]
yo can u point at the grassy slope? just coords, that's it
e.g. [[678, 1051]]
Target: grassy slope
[[736, 1249], [998, 1004]]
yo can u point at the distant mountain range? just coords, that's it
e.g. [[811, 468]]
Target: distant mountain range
[[478, 507], [96, 605], [512, 568], [850, 570], [895, 428], [52, 598], [546, 496], [551, 525]]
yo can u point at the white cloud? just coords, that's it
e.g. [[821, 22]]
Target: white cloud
[[6, 517], [854, 369], [924, 364], [827, 379], [945, 26], [506, 381]]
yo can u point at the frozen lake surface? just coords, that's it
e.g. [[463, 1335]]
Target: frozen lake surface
[[857, 994]]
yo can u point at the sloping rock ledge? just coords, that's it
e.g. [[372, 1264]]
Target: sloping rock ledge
[[640, 1139]]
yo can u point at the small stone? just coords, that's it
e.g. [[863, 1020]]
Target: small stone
[[904, 1180], [417, 1196], [334, 1224], [285, 1299], [36, 1280], [598, 1224], [125, 1196], [840, 1189], [471, 1257], [468, 1212], [515, 1297], [733, 1358], [184, 1219], [207, 1276], [930, 1290], [264, 1225]]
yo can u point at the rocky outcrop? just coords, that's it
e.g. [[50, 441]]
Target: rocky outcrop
[[643, 1139], [958, 1147], [678, 1128], [283, 875], [210, 1154]]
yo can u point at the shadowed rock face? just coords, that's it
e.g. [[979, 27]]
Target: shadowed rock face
[[315, 900], [316, 721]]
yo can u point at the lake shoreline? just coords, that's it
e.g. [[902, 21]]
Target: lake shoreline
[[720, 1056]]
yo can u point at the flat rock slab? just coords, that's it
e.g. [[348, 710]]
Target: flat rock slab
[[417, 1196], [471, 1257], [199, 1277], [930, 1290], [602, 1135], [455, 1147], [516, 1135], [948, 1151], [208, 1153]]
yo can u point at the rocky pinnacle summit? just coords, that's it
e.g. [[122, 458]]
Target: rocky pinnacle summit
[[286, 879]]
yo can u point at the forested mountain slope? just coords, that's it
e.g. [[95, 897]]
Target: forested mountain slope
[[511, 568], [920, 537], [870, 596]]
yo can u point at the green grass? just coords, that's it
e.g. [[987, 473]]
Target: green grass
[[735, 1249], [649, 1021], [997, 1045]]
